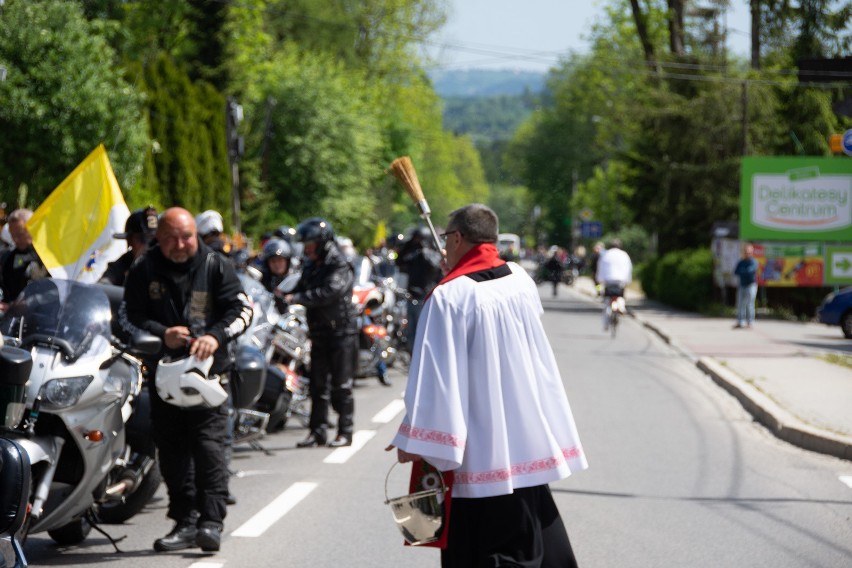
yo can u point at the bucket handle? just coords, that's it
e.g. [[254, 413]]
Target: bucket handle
[[394, 464]]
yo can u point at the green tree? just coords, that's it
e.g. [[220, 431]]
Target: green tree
[[188, 164], [61, 98], [322, 144]]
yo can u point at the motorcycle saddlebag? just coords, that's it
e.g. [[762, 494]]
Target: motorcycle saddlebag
[[15, 367], [248, 380], [15, 481]]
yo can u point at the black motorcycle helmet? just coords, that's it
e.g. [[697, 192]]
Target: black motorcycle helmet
[[316, 230], [285, 233], [276, 247]]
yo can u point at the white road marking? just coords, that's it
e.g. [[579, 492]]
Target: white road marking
[[389, 412], [847, 479], [270, 514], [206, 565], [252, 472], [340, 455]]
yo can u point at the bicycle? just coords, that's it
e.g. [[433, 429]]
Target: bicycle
[[613, 306]]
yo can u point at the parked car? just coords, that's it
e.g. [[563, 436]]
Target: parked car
[[836, 309]]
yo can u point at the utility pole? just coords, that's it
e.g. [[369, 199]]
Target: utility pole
[[745, 118], [236, 148]]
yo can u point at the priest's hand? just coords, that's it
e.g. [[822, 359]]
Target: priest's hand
[[402, 456]]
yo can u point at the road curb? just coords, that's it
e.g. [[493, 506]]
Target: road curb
[[764, 410], [781, 423]]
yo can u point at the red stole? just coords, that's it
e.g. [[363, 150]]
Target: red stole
[[481, 257]]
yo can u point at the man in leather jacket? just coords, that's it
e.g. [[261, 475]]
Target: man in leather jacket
[[325, 289], [19, 265], [138, 231], [422, 263], [185, 293]]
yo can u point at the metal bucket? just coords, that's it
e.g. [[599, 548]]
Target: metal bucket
[[420, 515]]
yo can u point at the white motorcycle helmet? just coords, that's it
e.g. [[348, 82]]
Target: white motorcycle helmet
[[209, 221], [184, 382]]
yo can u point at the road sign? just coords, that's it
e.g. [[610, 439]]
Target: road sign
[[838, 264], [591, 229], [586, 214], [846, 142]]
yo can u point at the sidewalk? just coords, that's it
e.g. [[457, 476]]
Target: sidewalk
[[774, 369]]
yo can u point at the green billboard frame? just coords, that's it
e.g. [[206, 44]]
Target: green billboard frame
[[797, 198]]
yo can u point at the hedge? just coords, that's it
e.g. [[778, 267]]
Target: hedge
[[683, 279]]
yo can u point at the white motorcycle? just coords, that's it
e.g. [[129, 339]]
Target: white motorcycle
[[76, 402]]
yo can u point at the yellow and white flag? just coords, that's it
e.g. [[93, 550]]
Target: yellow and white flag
[[72, 229], [381, 234]]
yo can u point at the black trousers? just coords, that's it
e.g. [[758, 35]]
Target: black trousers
[[333, 359], [523, 529], [191, 446]]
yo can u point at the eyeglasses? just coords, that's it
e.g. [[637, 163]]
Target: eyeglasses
[[445, 235]]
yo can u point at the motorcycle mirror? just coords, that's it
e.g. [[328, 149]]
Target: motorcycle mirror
[[289, 283], [145, 343], [254, 273]]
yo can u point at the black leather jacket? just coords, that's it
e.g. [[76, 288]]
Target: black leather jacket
[[325, 289], [204, 295]]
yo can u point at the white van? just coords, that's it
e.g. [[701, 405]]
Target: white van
[[506, 240]]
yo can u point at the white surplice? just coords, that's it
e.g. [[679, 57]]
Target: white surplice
[[484, 396]]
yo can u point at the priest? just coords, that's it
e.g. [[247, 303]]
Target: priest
[[485, 400]]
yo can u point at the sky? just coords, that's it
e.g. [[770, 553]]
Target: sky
[[532, 34]]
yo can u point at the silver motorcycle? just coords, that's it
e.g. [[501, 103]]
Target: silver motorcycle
[[78, 397]]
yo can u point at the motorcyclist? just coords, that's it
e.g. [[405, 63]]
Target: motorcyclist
[[419, 259], [275, 258], [325, 289], [139, 230], [553, 268], [21, 264], [211, 227], [186, 294]]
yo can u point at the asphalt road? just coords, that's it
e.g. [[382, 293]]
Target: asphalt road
[[679, 476]]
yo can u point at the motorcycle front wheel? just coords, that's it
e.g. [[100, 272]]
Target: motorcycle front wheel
[[74, 532], [279, 411]]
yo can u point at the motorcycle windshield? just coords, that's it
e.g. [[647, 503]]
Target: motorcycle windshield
[[255, 290], [363, 271], [50, 309]]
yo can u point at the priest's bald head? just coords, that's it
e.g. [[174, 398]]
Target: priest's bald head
[[469, 226]]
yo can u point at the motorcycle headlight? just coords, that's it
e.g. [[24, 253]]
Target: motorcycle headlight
[[121, 384], [62, 393]]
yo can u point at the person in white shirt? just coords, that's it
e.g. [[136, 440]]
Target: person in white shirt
[[615, 273], [485, 400]]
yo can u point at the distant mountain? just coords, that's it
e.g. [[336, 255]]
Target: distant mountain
[[487, 119], [486, 82]]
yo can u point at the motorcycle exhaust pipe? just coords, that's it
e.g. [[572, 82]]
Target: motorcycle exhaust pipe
[[130, 480]]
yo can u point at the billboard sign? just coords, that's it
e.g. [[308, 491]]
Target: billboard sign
[[838, 265], [796, 198]]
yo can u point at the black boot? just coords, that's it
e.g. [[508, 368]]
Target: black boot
[[312, 441], [209, 537], [181, 537], [383, 378]]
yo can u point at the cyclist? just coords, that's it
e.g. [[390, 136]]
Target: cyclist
[[615, 272]]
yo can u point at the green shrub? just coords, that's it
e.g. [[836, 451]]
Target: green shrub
[[683, 279]]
